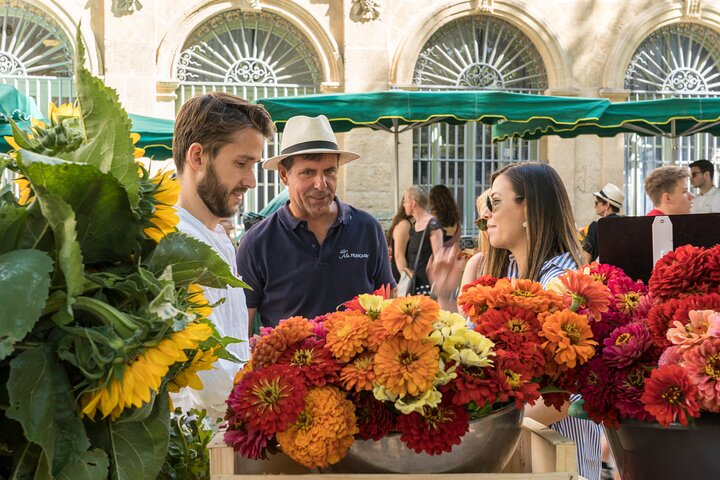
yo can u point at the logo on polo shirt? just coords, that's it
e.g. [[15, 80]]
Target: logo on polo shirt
[[344, 253]]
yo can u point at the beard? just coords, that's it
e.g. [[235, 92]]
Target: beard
[[215, 196]]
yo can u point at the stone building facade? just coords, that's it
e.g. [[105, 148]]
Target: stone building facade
[[157, 53]]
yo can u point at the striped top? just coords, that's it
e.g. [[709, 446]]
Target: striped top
[[585, 433], [551, 269]]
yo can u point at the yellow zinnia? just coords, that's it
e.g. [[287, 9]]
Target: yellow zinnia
[[144, 375], [165, 197]]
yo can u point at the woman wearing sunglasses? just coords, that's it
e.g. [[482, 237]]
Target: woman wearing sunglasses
[[474, 266], [531, 231]]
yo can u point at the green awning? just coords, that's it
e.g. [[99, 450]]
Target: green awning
[[156, 135], [390, 109], [16, 105], [670, 117]]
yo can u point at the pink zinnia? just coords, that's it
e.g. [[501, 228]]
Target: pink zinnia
[[626, 344], [690, 332], [670, 395], [702, 363], [671, 356], [629, 386]]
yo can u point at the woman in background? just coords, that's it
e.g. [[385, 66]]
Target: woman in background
[[474, 266], [397, 239], [426, 238], [531, 231], [445, 209]]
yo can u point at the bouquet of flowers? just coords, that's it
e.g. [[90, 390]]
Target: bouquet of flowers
[[403, 365], [102, 306], [659, 355]]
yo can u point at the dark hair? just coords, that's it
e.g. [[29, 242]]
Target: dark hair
[[704, 166], [211, 119], [400, 215], [443, 206], [550, 223], [605, 202]]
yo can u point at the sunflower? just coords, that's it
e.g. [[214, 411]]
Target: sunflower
[[65, 110], [26, 193], [406, 366], [133, 384], [348, 335], [413, 316], [203, 360], [568, 338], [164, 196], [137, 151], [200, 305]]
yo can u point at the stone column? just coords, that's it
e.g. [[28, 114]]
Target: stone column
[[128, 45], [368, 183]]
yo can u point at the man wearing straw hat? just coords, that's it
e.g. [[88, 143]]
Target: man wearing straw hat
[[316, 251], [608, 203]]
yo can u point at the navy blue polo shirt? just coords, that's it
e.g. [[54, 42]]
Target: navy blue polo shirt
[[292, 274]]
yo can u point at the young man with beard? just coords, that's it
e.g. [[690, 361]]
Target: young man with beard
[[315, 252], [218, 140]]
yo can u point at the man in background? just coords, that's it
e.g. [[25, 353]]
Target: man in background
[[315, 252], [608, 203], [668, 189], [702, 173]]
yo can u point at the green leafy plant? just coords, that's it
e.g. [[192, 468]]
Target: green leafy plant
[[102, 309], [188, 456]]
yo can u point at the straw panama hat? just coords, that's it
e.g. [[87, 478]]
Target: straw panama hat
[[611, 194], [304, 135]]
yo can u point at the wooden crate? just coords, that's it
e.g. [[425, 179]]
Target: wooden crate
[[542, 454]]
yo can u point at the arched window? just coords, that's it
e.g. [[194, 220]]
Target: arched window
[[478, 53], [680, 60], [35, 53], [252, 55]]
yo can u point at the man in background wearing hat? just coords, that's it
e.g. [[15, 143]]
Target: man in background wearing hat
[[315, 252], [608, 203]]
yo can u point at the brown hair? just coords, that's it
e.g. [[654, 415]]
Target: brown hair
[[211, 119], [550, 224], [443, 206], [663, 180]]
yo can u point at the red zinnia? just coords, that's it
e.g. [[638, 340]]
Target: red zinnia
[[661, 316], [436, 431], [680, 271], [374, 419], [626, 344], [268, 399], [251, 444], [670, 395], [482, 385], [313, 361]]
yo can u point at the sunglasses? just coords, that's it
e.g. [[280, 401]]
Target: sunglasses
[[492, 205], [481, 223]]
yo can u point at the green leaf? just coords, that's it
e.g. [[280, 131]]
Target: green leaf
[[22, 138], [192, 261], [12, 223], [107, 128], [41, 400], [106, 225], [27, 461], [24, 287], [93, 464], [138, 448]]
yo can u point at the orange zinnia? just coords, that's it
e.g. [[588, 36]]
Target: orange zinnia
[[474, 300], [347, 335], [377, 335], [583, 291], [359, 374], [406, 366], [324, 430], [569, 338], [413, 316], [288, 332]]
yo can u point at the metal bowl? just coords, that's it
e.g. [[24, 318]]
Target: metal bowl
[[486, 447]]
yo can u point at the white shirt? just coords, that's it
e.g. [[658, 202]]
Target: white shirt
[[707, 202], [230, 319]]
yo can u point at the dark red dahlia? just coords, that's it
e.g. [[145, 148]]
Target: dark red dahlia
[[374, 419], [252, 444], [598, 391], [436, 431]]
